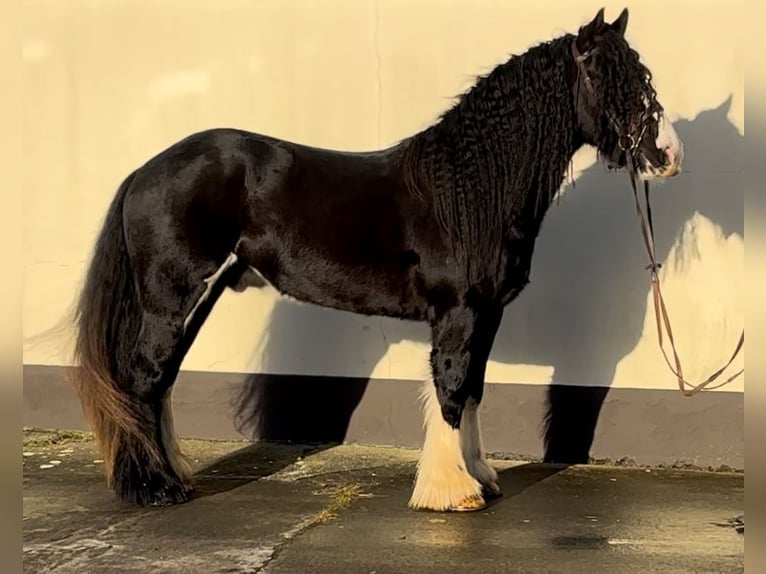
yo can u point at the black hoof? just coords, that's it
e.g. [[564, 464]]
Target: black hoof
[[170, 495], [490, 493], [158, 490]]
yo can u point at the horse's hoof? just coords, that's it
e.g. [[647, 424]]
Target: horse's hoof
[[471, 503], [171, 495], [491, 491]]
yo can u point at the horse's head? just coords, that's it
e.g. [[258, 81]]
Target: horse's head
[[617, 108]]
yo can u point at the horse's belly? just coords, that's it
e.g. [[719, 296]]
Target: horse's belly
[[358, 290]]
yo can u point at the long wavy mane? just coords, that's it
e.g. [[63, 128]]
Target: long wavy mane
[[511, 134]]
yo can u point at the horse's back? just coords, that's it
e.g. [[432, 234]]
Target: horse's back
[[341, 230]]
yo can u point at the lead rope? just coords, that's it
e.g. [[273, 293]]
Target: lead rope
[[660, 310]]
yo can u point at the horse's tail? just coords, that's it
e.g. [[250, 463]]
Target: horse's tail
[[108, 318]]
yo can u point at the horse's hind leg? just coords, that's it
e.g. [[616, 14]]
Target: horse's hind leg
[[152, 469], [452, 472]]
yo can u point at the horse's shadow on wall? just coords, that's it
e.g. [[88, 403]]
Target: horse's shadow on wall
[[582, 312]]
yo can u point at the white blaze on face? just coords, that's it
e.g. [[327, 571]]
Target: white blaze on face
[[668, 141]]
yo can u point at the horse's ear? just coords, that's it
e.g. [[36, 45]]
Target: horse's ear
[[588, 33], [598, 21], [621, 23]]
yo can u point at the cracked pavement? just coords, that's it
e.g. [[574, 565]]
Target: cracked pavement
[[296, 509]]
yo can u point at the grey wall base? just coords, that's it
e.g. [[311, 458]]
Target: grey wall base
[[649, 427]]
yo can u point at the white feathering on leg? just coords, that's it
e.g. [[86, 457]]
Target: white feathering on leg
[[443, 481]]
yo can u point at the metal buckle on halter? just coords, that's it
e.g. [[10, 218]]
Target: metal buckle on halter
[[632, 143]]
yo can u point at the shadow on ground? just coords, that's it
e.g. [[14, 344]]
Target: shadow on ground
[[345, 509], [249, 464], [517, 479]]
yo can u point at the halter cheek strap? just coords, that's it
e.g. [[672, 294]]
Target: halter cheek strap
[[580, 61], [580, 57]]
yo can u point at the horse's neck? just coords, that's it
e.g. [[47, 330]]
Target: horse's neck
[[537, 167], [537, 182], [528, 149], [500, 155]]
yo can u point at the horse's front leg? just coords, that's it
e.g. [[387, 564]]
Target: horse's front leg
[[453, 474]]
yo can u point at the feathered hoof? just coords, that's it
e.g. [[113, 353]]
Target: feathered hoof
[[435, 500], [471, 503]]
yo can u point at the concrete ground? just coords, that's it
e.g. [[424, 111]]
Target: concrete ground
[[291, 509]]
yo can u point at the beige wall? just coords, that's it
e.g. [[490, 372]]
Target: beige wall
[[108, 84]]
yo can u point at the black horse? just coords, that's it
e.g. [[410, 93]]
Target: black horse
[[439, 228]]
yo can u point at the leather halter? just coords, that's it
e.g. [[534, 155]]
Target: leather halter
[[629, 146], [625, 140]]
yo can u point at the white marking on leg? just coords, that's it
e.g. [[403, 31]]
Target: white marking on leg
[[442, 481], [210, 282], [473, 449], [177, 460]]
